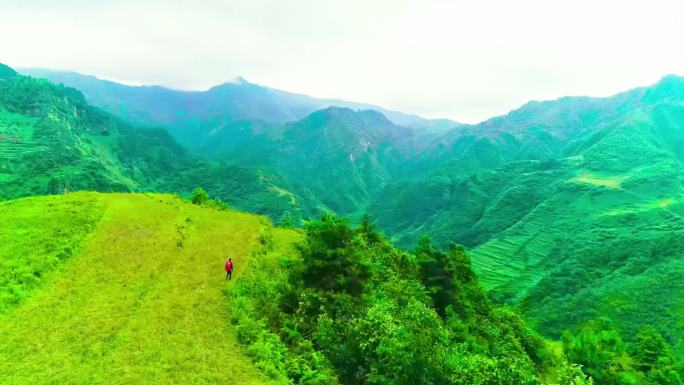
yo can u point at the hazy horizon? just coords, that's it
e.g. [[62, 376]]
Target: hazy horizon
[[437, 59], [242, 78]]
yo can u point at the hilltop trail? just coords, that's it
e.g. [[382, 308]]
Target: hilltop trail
[[143, 303]]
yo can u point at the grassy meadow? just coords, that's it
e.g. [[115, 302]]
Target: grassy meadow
[[139, 299]]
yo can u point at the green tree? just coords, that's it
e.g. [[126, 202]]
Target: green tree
[[329, 263], [199, 196], [653, 355], [55, 185], [599, 348], [450, 279]]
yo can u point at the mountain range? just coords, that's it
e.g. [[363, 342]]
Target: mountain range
[[190, 115], [572, 209]]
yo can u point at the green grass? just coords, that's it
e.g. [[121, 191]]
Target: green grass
[[610, 181], [143, 303], [39, 235]]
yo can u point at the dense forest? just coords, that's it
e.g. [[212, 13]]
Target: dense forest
[[352, 309]]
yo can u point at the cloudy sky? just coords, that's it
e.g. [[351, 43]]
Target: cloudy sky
[[465, 60]]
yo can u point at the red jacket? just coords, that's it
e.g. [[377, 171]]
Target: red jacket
[[229, 266]]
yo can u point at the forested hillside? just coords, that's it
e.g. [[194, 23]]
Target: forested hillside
[[336, 159], [53, 141], [572, 208]]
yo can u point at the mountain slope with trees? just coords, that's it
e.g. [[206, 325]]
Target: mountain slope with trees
[[337, 159], [53, 141], [572, 209]]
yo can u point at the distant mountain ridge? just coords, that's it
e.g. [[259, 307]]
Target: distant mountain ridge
[[189, 115]]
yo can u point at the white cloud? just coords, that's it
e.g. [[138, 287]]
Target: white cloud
[[465, 60]]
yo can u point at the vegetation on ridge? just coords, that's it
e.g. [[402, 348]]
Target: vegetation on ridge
[[349, 308]]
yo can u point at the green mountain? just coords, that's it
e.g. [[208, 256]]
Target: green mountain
[[572, 208], [6, 72], [93, 290], [336, 158], [191, 115], [52, 141]]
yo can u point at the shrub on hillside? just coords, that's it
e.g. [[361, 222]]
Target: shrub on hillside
[[199, 196]]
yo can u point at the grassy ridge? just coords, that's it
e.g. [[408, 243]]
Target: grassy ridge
[[143, 303]]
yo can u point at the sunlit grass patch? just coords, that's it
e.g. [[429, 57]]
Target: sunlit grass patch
[[135, 306], [596, 179]]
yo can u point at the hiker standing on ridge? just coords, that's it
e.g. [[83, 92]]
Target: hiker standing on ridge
[[229, 269]]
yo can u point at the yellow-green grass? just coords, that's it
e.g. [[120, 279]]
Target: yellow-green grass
[[609, 181], [646, 205], [143, 303], [37, 237]]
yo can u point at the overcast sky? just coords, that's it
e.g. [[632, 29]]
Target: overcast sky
[[464, 60]]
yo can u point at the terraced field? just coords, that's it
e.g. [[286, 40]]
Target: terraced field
[[16, 140], [588, 208], [516, 259]]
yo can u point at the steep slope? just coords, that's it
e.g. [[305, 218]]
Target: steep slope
[[140, 300], [346, 307], [336, 158], [190, 116], [523, 154], [7, 72], [52, 140], [568, 206]]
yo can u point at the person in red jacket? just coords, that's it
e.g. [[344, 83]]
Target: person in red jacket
[[229, 269]]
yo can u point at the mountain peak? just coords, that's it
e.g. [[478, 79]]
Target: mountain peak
[[672, 78], [7, 72], [670, 87], [235, 83]]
